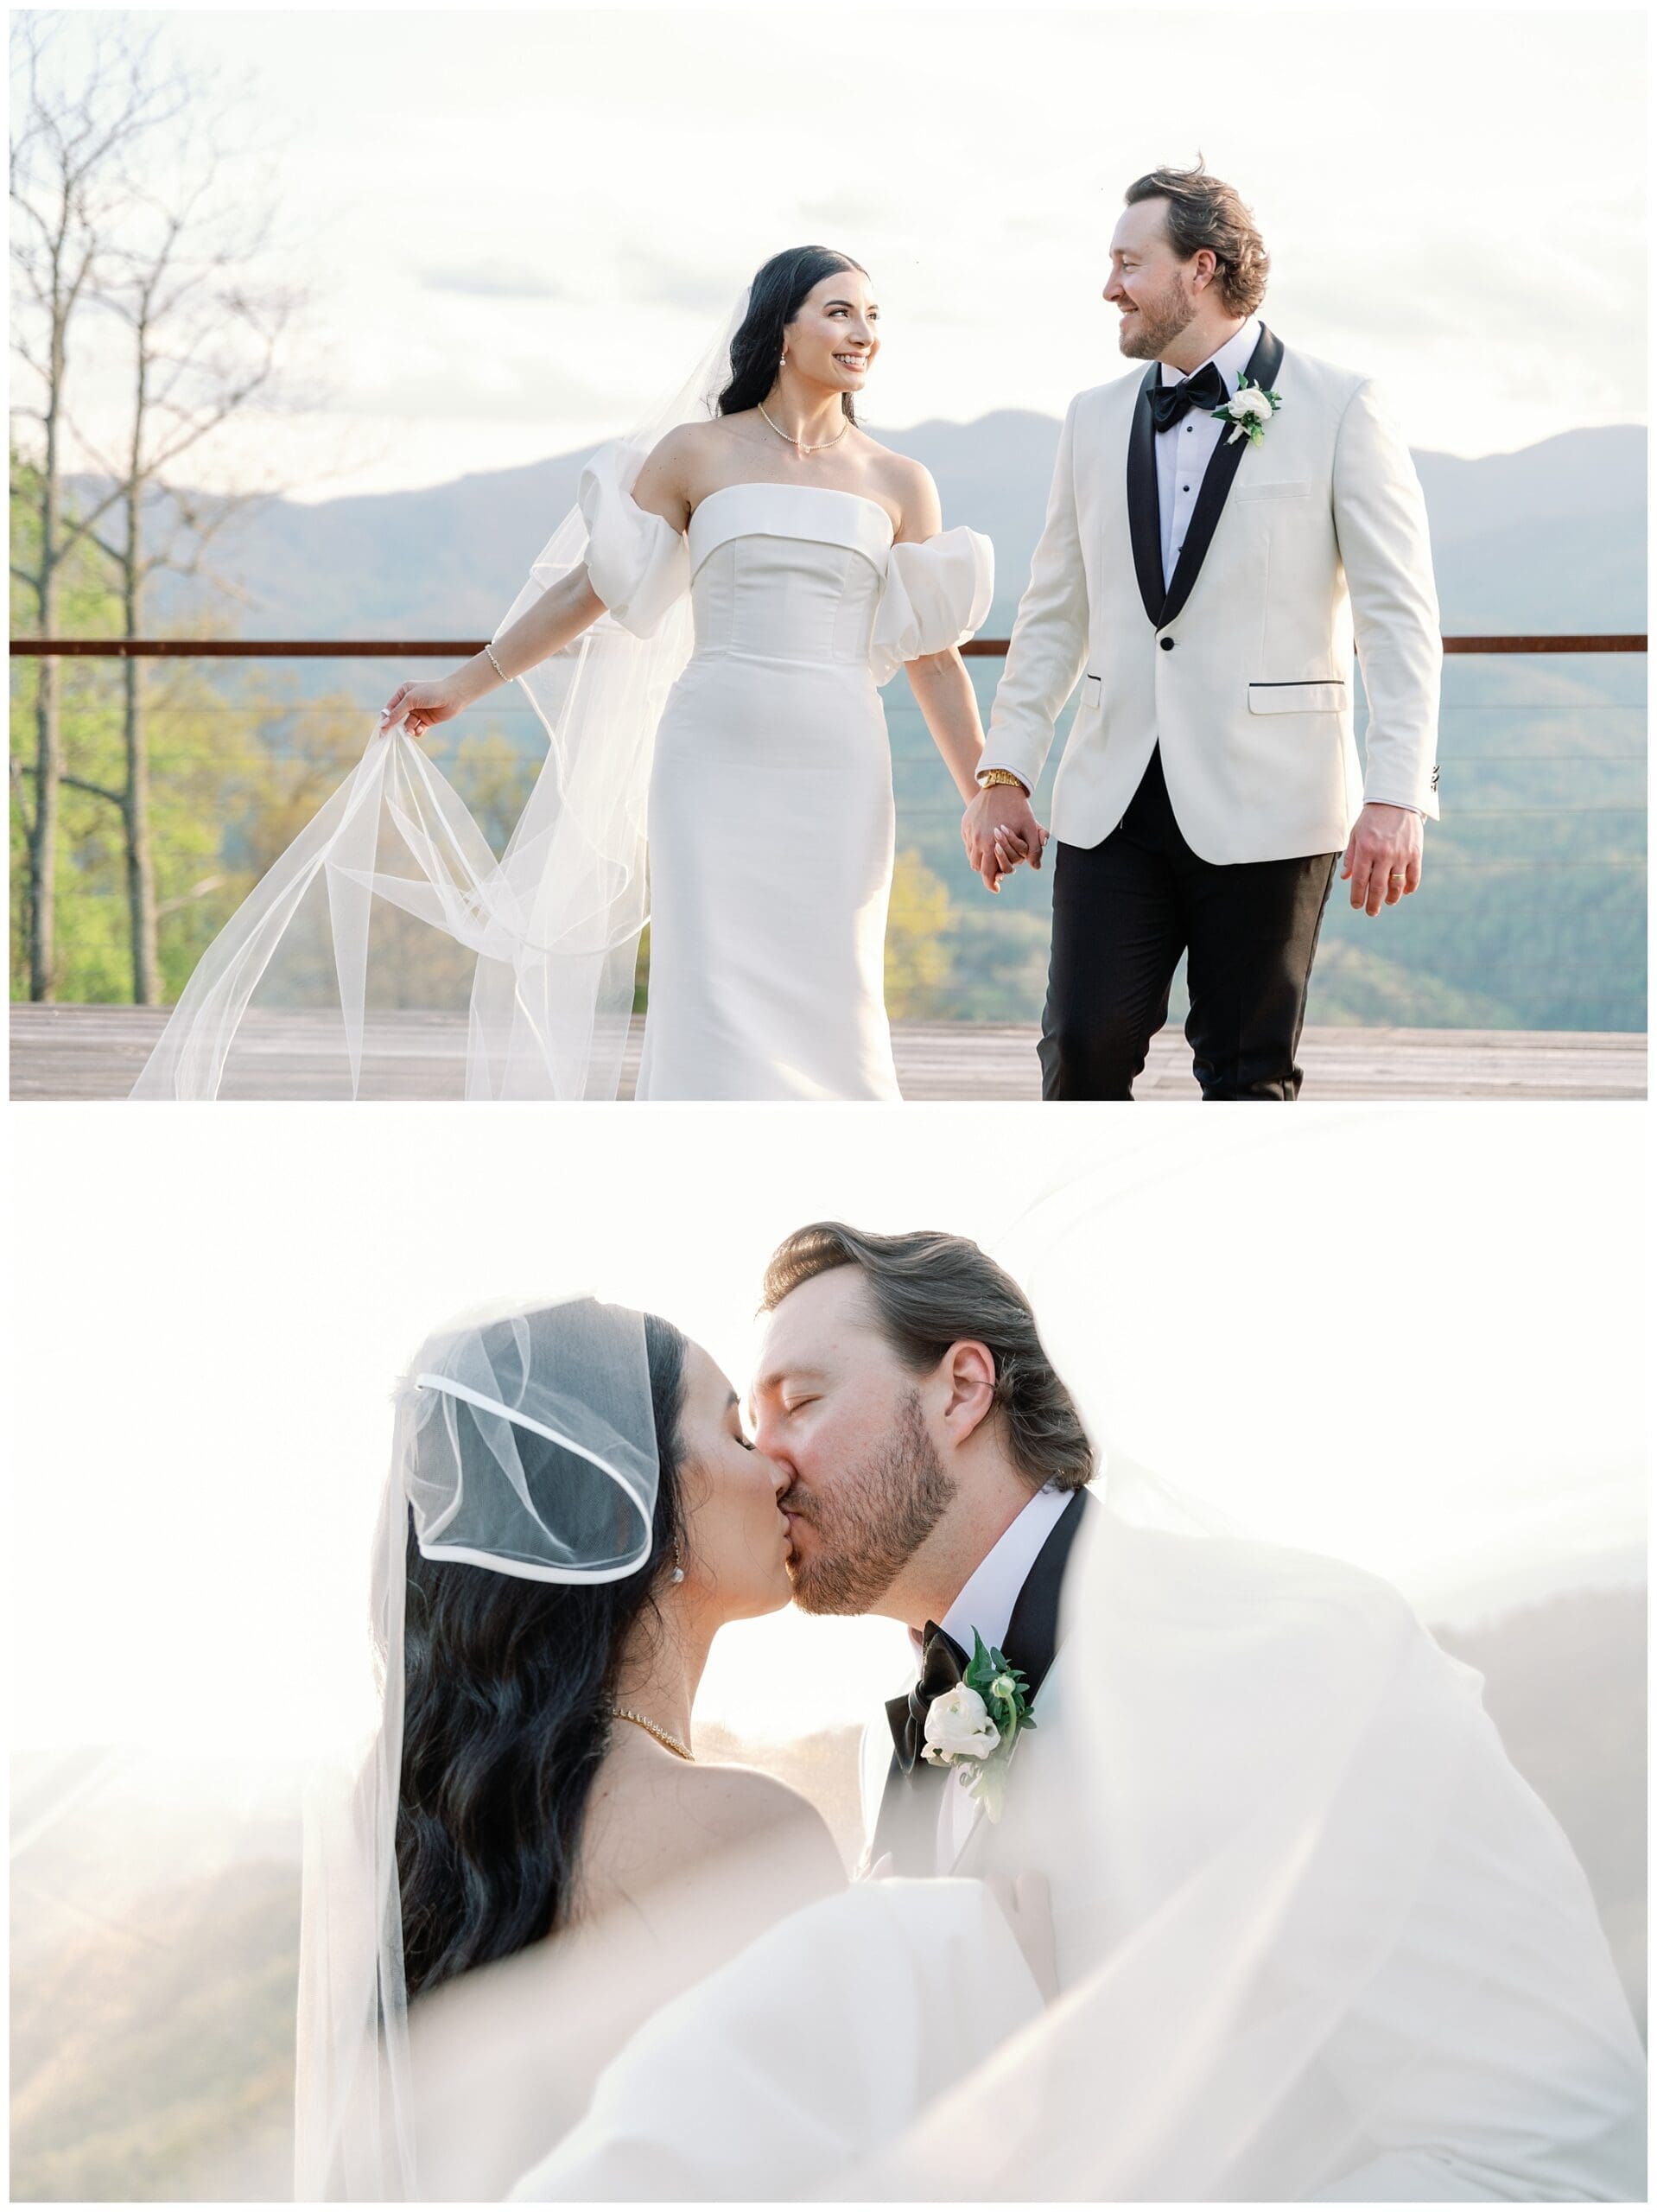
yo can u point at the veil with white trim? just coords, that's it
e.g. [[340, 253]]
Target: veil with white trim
[[525, 1445]]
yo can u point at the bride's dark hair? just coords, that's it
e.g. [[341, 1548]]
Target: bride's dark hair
[[504, 1682], [774, 300]]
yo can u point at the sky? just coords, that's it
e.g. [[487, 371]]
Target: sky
[[1411, 1337], [517, 226]]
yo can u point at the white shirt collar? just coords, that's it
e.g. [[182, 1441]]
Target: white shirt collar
[[991, 1591], [1231, 360]]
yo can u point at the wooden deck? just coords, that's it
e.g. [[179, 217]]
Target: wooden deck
[[93, 1052]]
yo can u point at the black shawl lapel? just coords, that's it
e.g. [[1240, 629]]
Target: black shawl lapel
[[907, 1823], [1144, 509], [1031, 1642], [1263, 365]]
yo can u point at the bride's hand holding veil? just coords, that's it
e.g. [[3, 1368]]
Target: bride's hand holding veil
[[557, 620], [419, 705]]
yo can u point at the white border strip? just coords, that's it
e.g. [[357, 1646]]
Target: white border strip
[[450, 1388]]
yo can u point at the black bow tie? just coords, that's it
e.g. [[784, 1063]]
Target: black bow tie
[[942, 1664], [1206, 389]]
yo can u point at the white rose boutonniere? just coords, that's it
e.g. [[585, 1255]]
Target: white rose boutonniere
[[1249, 409], [974, 1726], [958, 1726]]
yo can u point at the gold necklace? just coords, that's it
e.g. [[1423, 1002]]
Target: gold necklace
[[794, 442], [668, 1743]]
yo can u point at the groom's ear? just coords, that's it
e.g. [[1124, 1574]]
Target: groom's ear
[[968, 1373]]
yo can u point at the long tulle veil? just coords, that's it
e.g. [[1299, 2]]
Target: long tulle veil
[[557, 1483], [391, 905]]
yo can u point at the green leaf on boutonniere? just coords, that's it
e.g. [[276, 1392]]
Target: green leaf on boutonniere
[[1006, 1693]]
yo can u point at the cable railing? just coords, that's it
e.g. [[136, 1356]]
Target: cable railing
[[1534, 891], [1624, 641]]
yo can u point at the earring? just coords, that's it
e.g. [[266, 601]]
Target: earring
[[678, 1574]]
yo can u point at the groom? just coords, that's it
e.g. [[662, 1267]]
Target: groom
[[1202, 573], [936, 1471]]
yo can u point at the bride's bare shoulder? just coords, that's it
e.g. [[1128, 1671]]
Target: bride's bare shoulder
[[910, 484], [691, 443], [681, 467], [651, 1823], [739, 1802]]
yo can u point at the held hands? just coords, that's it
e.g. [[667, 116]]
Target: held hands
[[1383, 856], [999, 829]]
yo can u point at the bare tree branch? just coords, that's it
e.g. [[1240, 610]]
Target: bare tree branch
[[124, 175], [92, 791]]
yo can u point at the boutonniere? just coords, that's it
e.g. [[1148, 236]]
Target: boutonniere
[[1249, 409], [974, 1726]]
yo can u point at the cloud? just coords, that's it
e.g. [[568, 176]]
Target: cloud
[[1515, 312], [871, 211], [528, 392], [648, 275], [494, 280]]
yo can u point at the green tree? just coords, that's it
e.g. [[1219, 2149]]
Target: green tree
[[918, 928]]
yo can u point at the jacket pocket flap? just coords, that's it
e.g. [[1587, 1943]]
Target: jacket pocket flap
[[1322, 695], [1271, 490]]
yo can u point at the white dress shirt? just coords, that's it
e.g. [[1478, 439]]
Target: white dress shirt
[[1185, 451], [986, 1603]]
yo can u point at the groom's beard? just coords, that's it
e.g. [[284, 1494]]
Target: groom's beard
[[879, 1517], [1147, 335]]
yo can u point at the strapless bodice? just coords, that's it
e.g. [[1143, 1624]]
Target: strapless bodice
[[794, 574], [786, 572]]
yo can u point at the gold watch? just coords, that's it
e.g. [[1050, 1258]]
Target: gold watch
[[987, 778]]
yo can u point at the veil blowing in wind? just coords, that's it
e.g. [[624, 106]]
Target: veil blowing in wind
[[391, 899]]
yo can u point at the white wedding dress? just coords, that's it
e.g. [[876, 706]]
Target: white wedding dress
[[770, 816], [806, 2060]]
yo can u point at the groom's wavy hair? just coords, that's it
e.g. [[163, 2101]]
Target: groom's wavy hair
[[930, 1291], [1204, 211], [505, 1685], [774, 299]]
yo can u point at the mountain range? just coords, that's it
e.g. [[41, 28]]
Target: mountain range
[[1551, 537]]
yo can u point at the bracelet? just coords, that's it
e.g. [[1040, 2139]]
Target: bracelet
[[988, 779], [496, 665]]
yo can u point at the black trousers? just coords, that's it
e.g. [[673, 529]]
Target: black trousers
[[1124, 911]]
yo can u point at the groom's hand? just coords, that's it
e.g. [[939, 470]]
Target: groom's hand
[[1383, 860], [999, 829]]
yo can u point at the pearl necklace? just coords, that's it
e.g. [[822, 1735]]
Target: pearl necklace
[[794, 442], [668, 1742]]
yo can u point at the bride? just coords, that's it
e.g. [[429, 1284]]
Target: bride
[[533, 1862], [751, 765]]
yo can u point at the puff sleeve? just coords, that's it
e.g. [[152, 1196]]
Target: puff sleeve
[[637, 564], [937, 593]]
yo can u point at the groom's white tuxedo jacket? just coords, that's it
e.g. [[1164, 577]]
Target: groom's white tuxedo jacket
[[1490, 2053], [1241, 665]]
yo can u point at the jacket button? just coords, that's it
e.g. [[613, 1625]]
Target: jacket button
[[1167, 644]]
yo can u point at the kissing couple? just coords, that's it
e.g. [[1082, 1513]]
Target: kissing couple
[[703, 641], [1194, 1867]]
